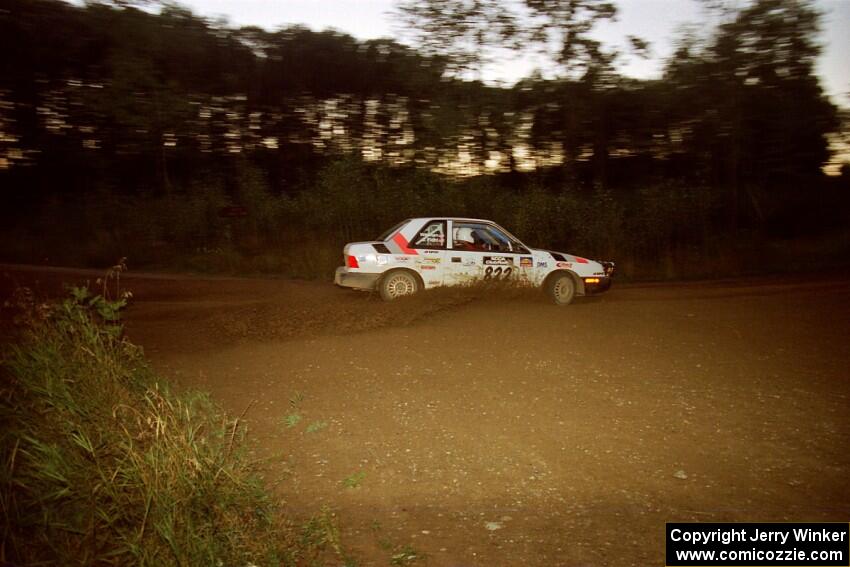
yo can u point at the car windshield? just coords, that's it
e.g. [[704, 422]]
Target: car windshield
[[388, 233]]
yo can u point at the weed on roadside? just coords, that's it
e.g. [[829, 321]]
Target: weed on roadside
[[316, 426], [294, 417], [101, 462], [354, 480], [405, 555], [295, 400], [400, 555], [291, 420]]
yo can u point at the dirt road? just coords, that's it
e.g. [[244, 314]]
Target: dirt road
[[507, 431]]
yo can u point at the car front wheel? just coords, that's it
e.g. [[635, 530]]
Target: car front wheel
[[562, 289], [398, 283]]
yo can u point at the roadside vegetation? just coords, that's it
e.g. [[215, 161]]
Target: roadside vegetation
[[104, 463], [665, 230]]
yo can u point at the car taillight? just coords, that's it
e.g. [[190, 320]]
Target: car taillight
[[352, 262]]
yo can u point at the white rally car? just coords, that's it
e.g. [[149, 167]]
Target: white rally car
[[419, 254]]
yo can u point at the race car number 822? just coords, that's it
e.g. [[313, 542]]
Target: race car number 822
[[497, 273]]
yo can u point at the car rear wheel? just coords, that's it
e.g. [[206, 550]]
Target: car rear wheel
[[398, 283], [562, 289]]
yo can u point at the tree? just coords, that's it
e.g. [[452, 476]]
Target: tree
[[469, 33], [749, 99]]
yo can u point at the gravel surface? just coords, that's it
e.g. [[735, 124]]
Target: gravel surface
[[478, 429]]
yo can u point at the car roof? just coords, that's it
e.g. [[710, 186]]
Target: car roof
[[461, 219]]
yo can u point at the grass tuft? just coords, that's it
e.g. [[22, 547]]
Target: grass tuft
[[102, 463], [316, 426], [291, 420], [354, 480]]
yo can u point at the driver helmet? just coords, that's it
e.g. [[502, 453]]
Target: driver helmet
[[464, 234]]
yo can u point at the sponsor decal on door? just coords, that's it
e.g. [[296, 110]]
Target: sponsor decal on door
[[498, 261]]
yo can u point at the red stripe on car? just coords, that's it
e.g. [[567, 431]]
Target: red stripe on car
[[581, 260], [402, 243]]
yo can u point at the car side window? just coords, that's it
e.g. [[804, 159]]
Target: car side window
[[498, 241], [432, 235], [479, 238]]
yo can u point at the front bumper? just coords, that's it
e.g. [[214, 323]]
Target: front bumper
[[356, 280], [603, 285]]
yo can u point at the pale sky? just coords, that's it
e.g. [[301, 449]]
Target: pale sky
[[654, 20]]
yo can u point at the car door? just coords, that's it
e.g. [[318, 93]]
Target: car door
[[428, 251], [478, 251], [463, 265]]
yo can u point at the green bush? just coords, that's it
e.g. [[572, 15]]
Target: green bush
[[102, 463], [662, 230]]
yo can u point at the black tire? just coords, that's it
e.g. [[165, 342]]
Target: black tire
[[561, 289], [398, 283]]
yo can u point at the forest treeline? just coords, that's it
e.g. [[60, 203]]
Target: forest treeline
[[153, 133]]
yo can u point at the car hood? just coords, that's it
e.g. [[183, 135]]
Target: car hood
[[571, 261]]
